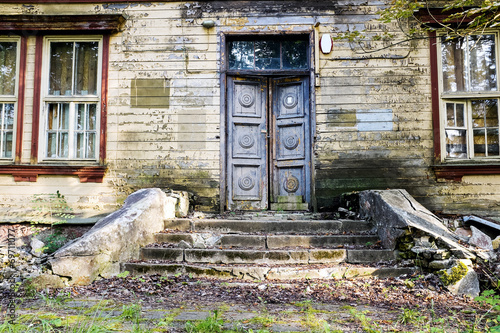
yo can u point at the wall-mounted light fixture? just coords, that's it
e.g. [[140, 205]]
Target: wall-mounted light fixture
[[326, 43], [208, 24]]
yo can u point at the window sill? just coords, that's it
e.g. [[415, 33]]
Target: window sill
[[457, 171], [30, 173]]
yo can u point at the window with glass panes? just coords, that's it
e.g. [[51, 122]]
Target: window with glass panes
[[8, 95], [72, 99], [469, 96]]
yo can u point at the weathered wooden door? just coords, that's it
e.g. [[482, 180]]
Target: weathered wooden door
[[267, 141], [291, 148]]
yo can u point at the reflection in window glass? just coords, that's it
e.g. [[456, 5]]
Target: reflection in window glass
[[469, 63], [241, 55], [485, 124], [456, 143], [8, 56], [482, 63], [294, 54], [86, 68], [73, 68], [268, 54]]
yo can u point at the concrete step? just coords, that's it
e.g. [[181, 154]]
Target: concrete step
[[289, 206], [271, 241], [290, 272], [269, 257], [272, 227]]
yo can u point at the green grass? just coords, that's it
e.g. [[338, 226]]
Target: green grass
[[212, 324]]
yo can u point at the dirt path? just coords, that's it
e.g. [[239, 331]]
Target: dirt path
[[180, 304]]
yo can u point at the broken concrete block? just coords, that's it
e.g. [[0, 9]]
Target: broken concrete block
[[116, 238], [480, 239], [395, 211], [460, 279]]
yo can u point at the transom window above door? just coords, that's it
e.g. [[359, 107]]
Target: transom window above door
[[268, 54]]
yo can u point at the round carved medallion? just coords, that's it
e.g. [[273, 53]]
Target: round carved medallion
[[246, 99], [290, 101], [291, 184], [246, 141], [291, 142], [246, 183]]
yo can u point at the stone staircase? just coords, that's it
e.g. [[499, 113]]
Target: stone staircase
[[266, 248]]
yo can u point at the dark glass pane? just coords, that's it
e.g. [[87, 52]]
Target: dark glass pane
[[61, 68], [86, 68], [492, 113], [8, 55], [267, 54], [479, 143], [493, 142], [241, 55], [450, 114], [294, 54], [478, 113], [453, 62], [460, 115]]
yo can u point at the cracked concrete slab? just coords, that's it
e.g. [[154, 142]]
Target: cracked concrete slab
[[395, 211]]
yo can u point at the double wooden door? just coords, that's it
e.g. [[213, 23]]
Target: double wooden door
[[268, 141]]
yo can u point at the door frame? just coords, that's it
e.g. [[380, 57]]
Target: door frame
[[225, 72]]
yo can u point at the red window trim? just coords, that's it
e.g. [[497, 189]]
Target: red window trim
[[456, 172], [20, 100], [449, 171], [437, 16], [29, 173], [42, 23]]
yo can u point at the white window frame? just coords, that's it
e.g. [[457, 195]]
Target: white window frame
[[72, 100], [466, 98], [4, 99]]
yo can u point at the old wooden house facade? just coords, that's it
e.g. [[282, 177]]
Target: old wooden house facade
[[246, 104]]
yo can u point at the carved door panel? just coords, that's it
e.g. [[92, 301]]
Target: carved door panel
[[247, 183], [268, 140], [291, 148]]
